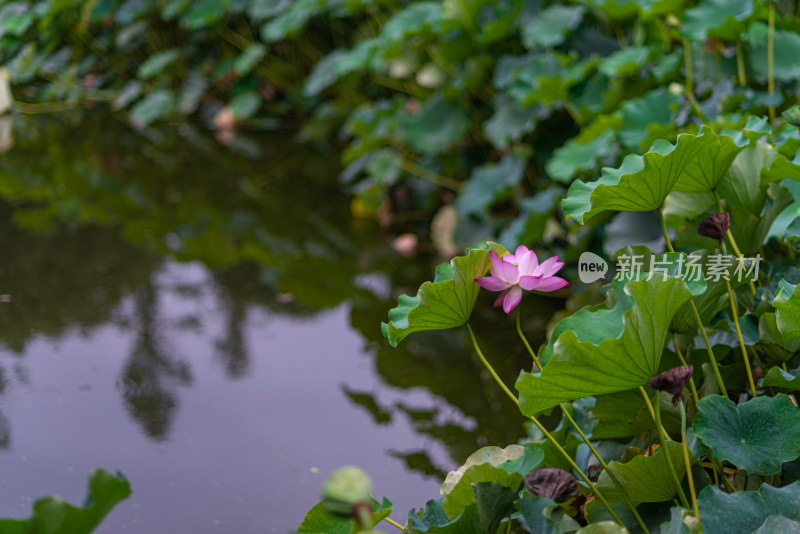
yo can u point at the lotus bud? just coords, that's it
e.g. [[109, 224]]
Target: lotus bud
[[715, 226], [672, 381], [553, 483], [345, 488]]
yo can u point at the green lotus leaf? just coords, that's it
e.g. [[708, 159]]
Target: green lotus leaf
[[507, 467], [446, 302], [510, 121], [787, 50], [438, 124], [778, 524], [615, 9], [645, 478], [625, 62], [53, 515], [544, 516], [648, 118], [489, 183], [717, 18], [603, 527], [751, 228], [613, 350], [625, 414], [318, 520], [548, 27], [491, 503], [758, 435], [705, 173], [783, 379], [746, 511], [741, 186], [772, 342], [787, 314], [576, 156], [681, 522], [641, 183]]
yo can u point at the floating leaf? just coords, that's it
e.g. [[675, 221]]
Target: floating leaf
[[52, 515], [507, 467], [645, 478], [758, 435], [641, 183], [491, 503], [446, 302], [746, 511], [612, 350]]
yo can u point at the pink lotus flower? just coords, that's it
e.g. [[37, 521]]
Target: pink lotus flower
[[519, 271]]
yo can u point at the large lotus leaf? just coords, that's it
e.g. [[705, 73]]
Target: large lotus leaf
[[625, 62], [758, 435], [787, 314], [446, 302], [319, 520], [645, 478], [608, 355], [489, 183], [507, 467], [787, 50], [544, 516], [717, 18], [671, 264], [746, 511], [438, 124], [772, 342], [510, 121], [783, 379], [741, 186], [777, 524], [751, 228], [52, 515], [492, 502], [641, 183], [625, 414], [647, 118], [580, 154], [547, 28], [703, 174]]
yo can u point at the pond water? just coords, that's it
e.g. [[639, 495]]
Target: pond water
[[205, 319]]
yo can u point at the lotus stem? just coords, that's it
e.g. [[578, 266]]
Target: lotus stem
[[771, 58], [662, 438], [731, 240], [394, 523], [741, 340], [740, 64], [543, 430], [585, 439], [683, 362], [536, 361], [651, 409], [696, 313], [686, 461], [687, 55]]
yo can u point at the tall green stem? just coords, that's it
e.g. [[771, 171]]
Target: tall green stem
[[687, 55], [585, 439], [740, 63], [695, 313], [542, 429], [741, 340], [536, 361], [771, 58], [683, 362], [662, 438], [685, 447]]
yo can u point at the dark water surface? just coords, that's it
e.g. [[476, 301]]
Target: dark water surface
[[205, 319]]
